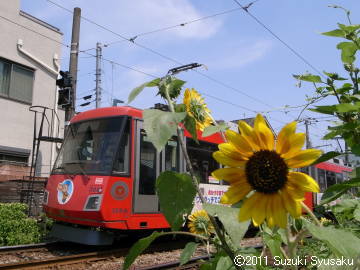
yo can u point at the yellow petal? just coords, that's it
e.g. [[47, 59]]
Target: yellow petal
[[291, 205], [249, 135], [225, 160], [235, 193], [269, 212], [241, 144], [303, 181], [264, 134], [303, 158], [296, 143], [248, 206], [231, 151], [283, 145], [259, 212], [294, 192], [279, 213], [230, 175]]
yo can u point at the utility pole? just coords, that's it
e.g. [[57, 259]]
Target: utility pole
[[73, 65], [311, 169], [98, 74], [307, 123]]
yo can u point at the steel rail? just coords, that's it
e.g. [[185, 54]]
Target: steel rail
[[71, 259]]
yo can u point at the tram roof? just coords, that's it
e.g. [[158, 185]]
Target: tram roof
[[133, 112], [107, 112]]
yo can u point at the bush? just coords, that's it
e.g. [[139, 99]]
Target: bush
[[15, 227]]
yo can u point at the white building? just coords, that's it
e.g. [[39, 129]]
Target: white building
[[29, 53]]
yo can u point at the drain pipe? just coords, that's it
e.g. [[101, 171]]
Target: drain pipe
[[54, 72], [20, 48], [55, 146]]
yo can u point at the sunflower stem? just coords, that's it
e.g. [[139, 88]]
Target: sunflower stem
[[291, 246], [284, 253], [311, 214], [218, 231], [216, 124]]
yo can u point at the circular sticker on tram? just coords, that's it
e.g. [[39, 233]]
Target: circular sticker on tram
[[119, 190], [65, 190]]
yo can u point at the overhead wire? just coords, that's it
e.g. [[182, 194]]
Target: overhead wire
[[180, 63], [278, 38], [176, 25], [162, 55], [32, 30]]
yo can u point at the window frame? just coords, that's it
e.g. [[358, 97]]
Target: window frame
[[21, 66]]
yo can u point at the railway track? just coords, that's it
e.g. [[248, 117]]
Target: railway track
[[65, 254], [65, 260], [25, 258]]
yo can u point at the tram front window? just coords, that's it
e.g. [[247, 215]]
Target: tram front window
[[91, 146]]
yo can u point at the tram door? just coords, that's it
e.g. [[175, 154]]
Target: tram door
[[147, 164]]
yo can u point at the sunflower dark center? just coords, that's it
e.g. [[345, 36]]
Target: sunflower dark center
[[266, 171]]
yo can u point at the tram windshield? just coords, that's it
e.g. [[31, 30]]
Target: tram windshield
[[95, 147]]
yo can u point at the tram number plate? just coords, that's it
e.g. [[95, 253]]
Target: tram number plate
[[96, 189]]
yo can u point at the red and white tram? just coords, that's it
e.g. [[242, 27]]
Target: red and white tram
[[104, 176]]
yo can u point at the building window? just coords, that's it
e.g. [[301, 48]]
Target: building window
[[15, 156], [13, 159], [16, 81]]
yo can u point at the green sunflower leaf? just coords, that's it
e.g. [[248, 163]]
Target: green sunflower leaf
[[136, 91], [348, 107], [176, 195], [161, 126], [172, 85], [138, 248], [225, 263], [348, 51], [190, 125], [335, 191], [187, 252], [210, 130], [308, 78], [326, 156], [273, 242], [330, 109], [334, 33], [357, 213], [229, 218], [334, 76], [342, 243]]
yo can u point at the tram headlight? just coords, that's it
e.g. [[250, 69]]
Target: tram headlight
[[93, 203]]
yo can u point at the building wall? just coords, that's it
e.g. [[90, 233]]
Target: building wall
[[17, 122]]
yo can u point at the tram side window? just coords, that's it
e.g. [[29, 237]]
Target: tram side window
[[147, 172], [201, 159], [321, 180], [330, 178], [172, 156], [121, 164], [339, 178]]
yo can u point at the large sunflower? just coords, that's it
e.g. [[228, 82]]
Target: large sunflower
[[196, 108], [199, 223], [259, 171]]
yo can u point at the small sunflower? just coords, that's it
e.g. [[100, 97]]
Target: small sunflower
[[324, 221], [200, 223], [196, 108], [260, 171]]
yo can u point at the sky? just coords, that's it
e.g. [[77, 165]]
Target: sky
[[248, 69]]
